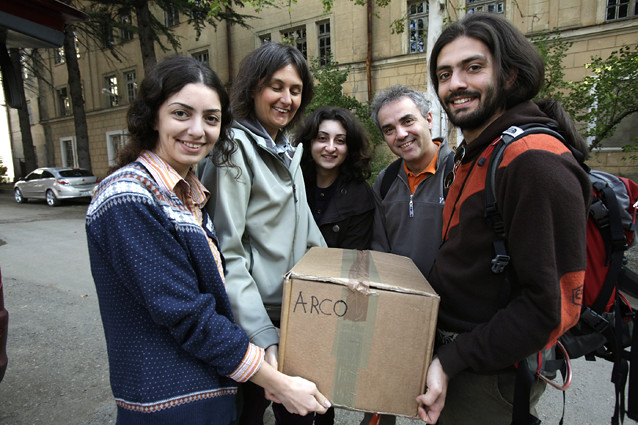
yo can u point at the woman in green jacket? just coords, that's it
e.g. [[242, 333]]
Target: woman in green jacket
[[259, 205]]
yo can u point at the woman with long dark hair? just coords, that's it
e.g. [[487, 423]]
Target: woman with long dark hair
[[175, 351], [336, 164], [259, 205]]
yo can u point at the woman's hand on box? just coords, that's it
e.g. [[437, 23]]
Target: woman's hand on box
[[271, 354], [298, 395]]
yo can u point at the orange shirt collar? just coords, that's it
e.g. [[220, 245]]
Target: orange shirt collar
[[169, 179], [415, 179]]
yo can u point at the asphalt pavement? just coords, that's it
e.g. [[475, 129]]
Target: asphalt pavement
[[58, 369]]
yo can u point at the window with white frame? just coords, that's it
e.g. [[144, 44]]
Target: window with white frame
[[126, 34], [297, 37], [68, 152], [202, 57], [64, 103], [106, 35], [111, 91], [323, 35], [171, 16], [485, 6], [621, 9], [115, 140], [131, 85], [418, 25], [76, 42], [58, 56]]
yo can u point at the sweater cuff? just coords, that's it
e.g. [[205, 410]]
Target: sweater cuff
[[249, 365], [450, 360]]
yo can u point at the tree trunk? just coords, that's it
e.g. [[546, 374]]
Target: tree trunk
[[43, 93], [147, 43], [77, 100], [369, 51], [30, 160]]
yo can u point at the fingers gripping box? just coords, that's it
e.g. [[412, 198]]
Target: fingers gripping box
[[361, 325]]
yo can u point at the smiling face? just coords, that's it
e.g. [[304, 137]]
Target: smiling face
[[277, 101], [468, 87], [188, 125], [407, 133], [329, 148]]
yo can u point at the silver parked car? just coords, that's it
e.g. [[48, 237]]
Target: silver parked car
[[55, 184]]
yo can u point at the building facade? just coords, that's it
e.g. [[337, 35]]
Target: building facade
[[361, 37]]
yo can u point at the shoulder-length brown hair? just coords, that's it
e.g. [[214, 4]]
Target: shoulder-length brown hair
[[257, 69]]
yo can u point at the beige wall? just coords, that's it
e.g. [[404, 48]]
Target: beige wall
[[581, 22]]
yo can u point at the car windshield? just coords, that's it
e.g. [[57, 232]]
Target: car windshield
[[75, 173]]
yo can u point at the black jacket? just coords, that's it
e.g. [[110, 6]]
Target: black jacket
[[347, 221]]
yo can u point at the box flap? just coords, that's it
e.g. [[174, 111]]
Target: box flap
[[362, 271]]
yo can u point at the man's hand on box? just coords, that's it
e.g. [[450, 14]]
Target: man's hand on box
[[432, 402]]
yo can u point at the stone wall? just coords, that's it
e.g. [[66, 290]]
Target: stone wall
[[614, 162]]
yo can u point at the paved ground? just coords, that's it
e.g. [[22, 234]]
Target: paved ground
[[58, 371]]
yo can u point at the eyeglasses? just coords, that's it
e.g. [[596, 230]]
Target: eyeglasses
[[458, 158]]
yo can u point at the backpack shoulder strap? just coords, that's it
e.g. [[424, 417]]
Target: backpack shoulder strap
[[492, 213], [614, 237], [446, 168], [391, 173], [524, 377]]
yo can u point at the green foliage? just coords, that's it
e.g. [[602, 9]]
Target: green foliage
[[329, 80], [106, 23], [600, 101], [631, 149], [607, 96], [553, 50], [327, 4]]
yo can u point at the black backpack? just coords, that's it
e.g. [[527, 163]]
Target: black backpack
[[605, 327]]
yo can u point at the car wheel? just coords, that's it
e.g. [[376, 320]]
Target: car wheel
[[18, 196], [52, 200]]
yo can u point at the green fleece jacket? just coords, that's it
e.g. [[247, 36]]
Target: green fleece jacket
[[264, 227]]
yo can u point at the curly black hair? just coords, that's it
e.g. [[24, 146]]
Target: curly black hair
[[164, 80], [356, 166]]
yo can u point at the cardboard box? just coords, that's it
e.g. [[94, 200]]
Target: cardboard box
[[361, 325]]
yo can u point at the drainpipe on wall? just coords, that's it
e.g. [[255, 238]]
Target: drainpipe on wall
[[369, 53], [435, 27], [229, 52]]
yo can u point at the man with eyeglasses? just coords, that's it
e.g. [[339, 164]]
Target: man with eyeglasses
[[485, 73]]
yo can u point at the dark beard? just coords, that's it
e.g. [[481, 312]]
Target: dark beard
[[481, 115]]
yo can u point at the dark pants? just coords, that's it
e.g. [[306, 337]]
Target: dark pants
[[326, 419], [255, 404], [490, 397]]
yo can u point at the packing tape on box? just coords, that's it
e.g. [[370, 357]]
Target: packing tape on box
[[356, 270], [355, 329]]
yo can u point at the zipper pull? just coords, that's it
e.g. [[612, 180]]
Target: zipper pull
[[411, 207]]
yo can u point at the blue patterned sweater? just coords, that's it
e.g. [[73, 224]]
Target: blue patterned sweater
[[170, 333]]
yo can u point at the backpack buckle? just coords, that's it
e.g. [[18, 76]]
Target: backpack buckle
[[594, 320], [499, 262], [599, 212]]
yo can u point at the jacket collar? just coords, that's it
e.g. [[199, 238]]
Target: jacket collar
[[523, 113]]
